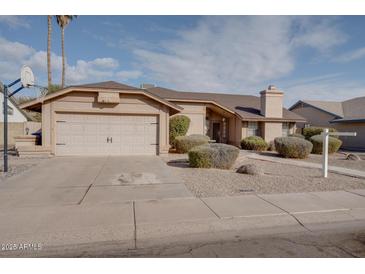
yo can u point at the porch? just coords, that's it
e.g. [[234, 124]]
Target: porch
[[217, 123]]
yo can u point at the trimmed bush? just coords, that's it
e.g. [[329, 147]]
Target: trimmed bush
[[334, 144], [297, 135], [179, 126], [213, 156], [184, 143], [293, 147], [254, 143], [308, 132]]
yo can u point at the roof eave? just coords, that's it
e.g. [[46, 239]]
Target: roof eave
[[265, 119], [75, 88], [203, 101], [355, 120], [313, 106]]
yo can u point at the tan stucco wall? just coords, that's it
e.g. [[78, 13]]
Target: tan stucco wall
[[14, 129], [235, 131], [271, 130], [197, 113], [314, 116], [357, 142], [46, 124], [244, 129], [86, 102], [18, 129], [164, 123], [272, 105]]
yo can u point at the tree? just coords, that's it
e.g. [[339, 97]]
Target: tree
[[178, 126], [49, 19], [35, 116], [53, 88], [63, 21]]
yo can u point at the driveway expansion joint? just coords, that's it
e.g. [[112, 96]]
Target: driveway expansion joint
[[290, 214], [83, 197], [210, 208], [96, 176], [134, 224]]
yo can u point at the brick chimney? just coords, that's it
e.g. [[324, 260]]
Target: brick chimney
[[272, 102]]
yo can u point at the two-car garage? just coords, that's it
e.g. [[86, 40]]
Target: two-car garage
[[105, 118], [95, 134]]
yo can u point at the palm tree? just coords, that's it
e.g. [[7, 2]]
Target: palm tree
[[63, 21], [49, 18]]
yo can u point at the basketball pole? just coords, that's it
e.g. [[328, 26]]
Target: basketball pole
[[5, 109]]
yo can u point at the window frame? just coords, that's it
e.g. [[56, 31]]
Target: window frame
[[285, 130], [253, 131]]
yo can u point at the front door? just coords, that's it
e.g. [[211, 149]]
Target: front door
[[217, 132]]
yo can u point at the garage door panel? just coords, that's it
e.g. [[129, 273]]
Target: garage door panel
[[90, 134]]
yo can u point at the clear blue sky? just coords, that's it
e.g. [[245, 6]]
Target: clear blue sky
[[307, 57]]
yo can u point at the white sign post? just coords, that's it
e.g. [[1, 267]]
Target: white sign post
[[325, 136]]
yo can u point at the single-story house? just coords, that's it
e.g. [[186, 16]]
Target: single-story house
[[346, 116], [113, 118]]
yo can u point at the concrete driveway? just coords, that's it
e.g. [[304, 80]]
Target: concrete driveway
[[92, 180], [95, 204]]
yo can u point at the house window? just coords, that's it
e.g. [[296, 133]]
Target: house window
[[286, 129], [253, 129]]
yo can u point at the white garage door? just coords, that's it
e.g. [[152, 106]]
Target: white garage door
[[93, 134]]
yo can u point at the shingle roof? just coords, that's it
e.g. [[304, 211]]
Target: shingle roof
[[346, 111], [247, 106], [354, 108], [329, 106], [107, 85]]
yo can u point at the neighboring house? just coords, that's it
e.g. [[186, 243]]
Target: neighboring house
[[344, 116], [15, 114], [113, 118], [17, 119]]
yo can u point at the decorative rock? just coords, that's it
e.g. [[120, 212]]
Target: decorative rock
[[353, 157], [250, 169]]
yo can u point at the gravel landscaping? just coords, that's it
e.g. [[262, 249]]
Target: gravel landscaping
[[18, 165], [336, 159], [277, 178]]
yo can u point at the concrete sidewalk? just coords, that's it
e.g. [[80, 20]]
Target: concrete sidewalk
[[334, 169], [142, 223]]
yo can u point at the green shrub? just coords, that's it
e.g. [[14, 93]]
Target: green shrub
[[333, 144], [179, 126], [213, 156], [293, 147], [308, 132], [254, 143], [297, 135], [184, 143]]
